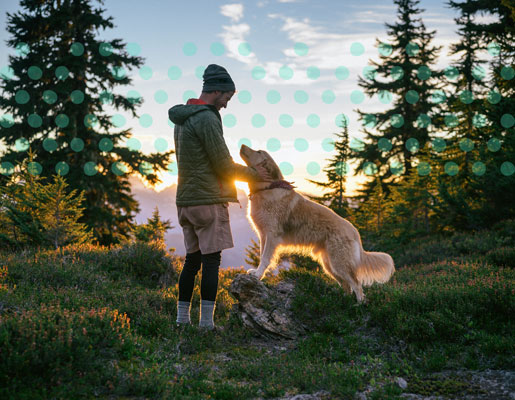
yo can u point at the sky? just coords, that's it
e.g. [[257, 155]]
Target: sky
[[295, 64]]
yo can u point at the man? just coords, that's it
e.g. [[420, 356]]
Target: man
[[206, 174]]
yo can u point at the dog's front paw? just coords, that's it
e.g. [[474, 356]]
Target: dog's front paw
[[254, 272]]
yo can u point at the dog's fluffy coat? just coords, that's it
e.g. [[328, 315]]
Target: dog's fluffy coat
[[286, 220]]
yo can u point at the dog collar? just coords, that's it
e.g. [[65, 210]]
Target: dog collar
[[282, 184]]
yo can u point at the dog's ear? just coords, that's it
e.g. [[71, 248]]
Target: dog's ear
[[272, 168]]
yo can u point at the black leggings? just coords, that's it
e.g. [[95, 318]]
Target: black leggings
[[209, 284]]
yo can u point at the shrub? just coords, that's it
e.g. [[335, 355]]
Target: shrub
[[502, 256]]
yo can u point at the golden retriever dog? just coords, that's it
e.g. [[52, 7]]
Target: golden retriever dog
[[285, 220]]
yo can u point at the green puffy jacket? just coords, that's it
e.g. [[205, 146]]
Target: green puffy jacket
[[206, 168]]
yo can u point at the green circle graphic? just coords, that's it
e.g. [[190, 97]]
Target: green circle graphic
[[49, 144], [161, 145], [34, 72], [35, 121], [61, 168], [77, 144], [301, 96], [466, 144], [258, 121], [229, 121], [494, 144], [285, 120], [313, 168], [273, 96], [341, 73], [258, 73], [244, 96], [285, 72], [301, 144], [273, 144], [451, 168], [301, 49], [507, 168], [313, 120], [328, 96]]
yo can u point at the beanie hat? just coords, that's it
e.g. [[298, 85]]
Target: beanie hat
[[217, 78]]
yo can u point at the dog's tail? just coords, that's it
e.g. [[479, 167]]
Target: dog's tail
[[374, 267]]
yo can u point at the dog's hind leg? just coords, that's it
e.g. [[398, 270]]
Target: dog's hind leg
[[326, 264], [343, 271], [266, 256]]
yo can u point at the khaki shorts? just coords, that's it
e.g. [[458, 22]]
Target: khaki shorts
[[206, 227]]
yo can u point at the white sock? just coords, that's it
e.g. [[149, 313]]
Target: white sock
[[183, 312], [207, 309]]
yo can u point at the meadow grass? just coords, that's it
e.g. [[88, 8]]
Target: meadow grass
[[88, 321]]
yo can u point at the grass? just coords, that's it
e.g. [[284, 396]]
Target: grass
[[88, 322]]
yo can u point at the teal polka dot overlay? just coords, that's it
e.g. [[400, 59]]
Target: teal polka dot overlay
[[451, 73], [385, 49], [438, 145], [160, 97], [172, 169], [7, 121], [145, 73], [7, 73], [134, 49], [301, 96], [145, 120], [479, 120], [174, 73], [199, 71], [494, 97], [170, 123], [451, 168], [397, 120], [286, 168], [301, 144], [217, 49], [118, 168], [49, 144], [507, 168], [61, 168], [313, 120], [423, 121], [273, 144], [313, 168], [118, 120], [328, 144], [369, 168], [357, 144], [229, 121], [357, 49], [133, 96], [34, 73], [369, 120], [507, 73], [328, 96], [21, 144], [145, 168], [507, 121], [22, 97], [384, 144], [188, 94], [341, 73], [273, 97], [77, 144], [412, 145], [62, 120], [342, 168], [189, 49], [77, 97], [466, 144], [258, 121], [438, 96], [313, 73], [478, 73], [105, 49], [412, 96], [424, 168], [244, 141], [412, 49], [478, 168], [49, 96], [385, 97], [106, 97], [34, 120], [244, 96], [105, 144], [286, 72], [301, 49], [341, 120], [397, 168], [160, 145], [118, 72], [22, 49], [357, 97], [493, 145], [466, 97], [369, 72], [90, 121], [423, 73], [77, 49], [451, 120], [90, 168], [258, 73], [34, 168], [285, 120], [133, 144], [6, 168], [244, 49], [396, 73], [494, 49]]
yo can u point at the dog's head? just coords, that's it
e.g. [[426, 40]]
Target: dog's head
[[254, 158]]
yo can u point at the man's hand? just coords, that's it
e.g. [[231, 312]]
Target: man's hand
[[265, 175]]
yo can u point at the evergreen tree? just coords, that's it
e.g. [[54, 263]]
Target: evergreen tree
[[410, 81], [252, 254], [336, 173], [63, 77], [154, 229]]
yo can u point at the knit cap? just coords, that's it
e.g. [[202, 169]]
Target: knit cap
[[217, 78]]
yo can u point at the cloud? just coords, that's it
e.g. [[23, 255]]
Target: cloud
[[234, 36], [233, 11]]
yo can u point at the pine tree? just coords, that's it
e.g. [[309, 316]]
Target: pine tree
[[336, 173], [410, 80], [63, 77], [154, 229], [252, 254]]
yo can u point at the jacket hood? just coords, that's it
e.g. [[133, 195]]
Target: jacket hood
[[181, 112]]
